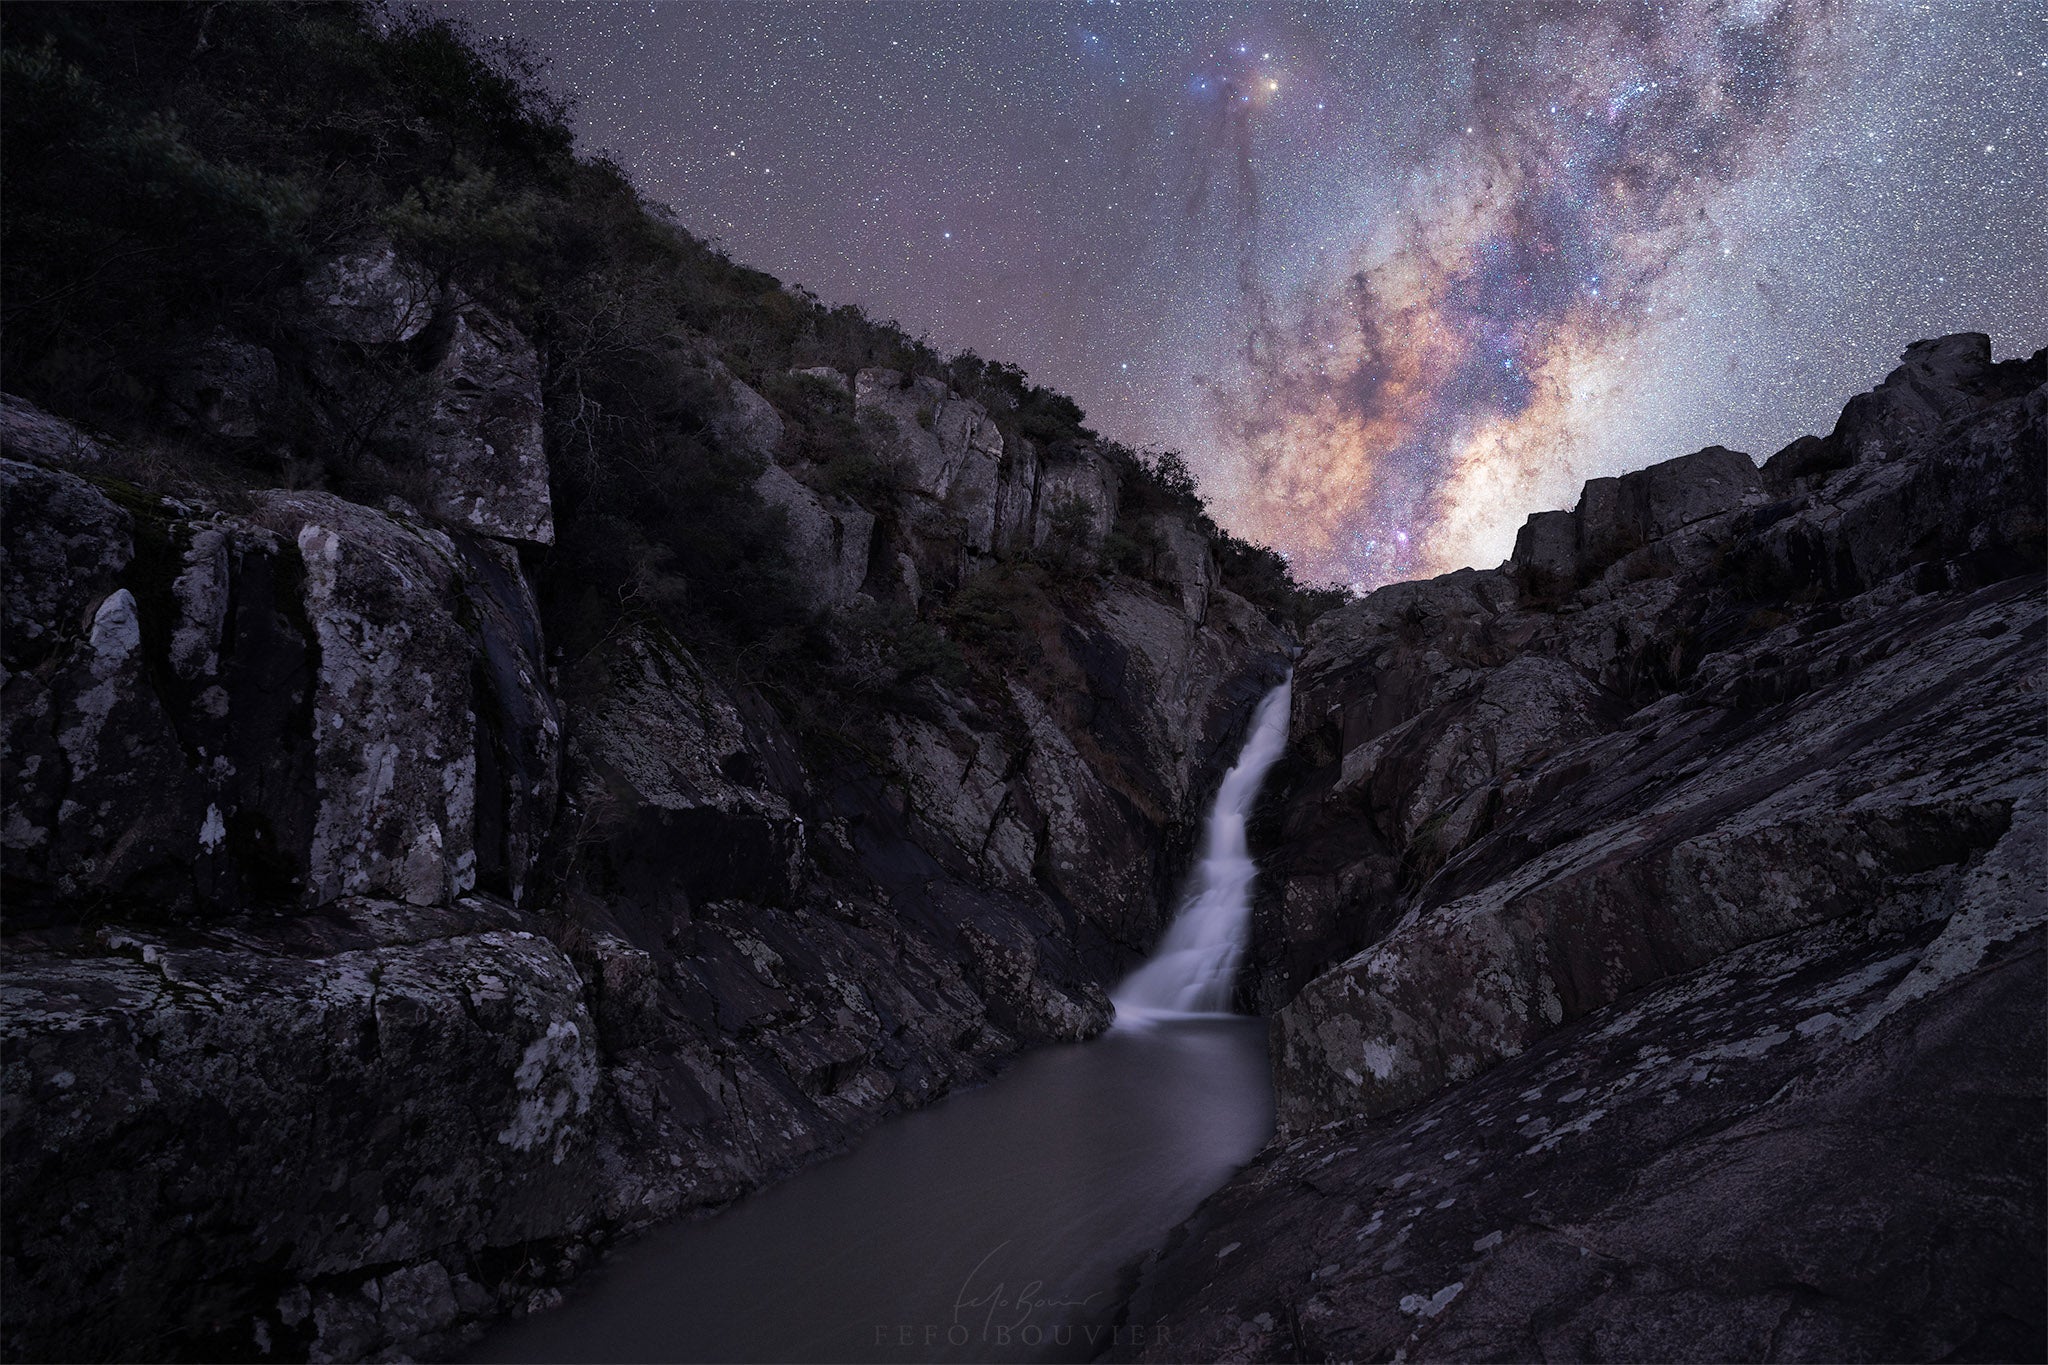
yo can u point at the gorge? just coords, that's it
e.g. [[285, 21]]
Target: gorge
[[565, 800]]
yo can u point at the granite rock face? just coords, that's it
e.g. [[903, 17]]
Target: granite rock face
[[1654, 940], [428, 1079]]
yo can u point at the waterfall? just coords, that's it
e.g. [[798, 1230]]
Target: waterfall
[[1196, 963]]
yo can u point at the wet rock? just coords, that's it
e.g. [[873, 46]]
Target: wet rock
[[1786, 1155]]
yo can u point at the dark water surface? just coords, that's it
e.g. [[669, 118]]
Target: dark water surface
[[992, 1226]]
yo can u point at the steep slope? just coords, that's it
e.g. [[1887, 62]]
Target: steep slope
[[1655, 952]]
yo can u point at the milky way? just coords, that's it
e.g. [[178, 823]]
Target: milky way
[[1392, 275]]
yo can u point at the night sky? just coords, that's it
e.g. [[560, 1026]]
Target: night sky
[[1391, 275]]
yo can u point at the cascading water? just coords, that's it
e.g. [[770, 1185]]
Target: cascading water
[[1196, 963]]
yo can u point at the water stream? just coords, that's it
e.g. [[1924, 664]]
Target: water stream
[[1194, 969], [1001, 1224]]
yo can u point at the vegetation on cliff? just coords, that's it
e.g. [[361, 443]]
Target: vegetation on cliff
[[173, 173]]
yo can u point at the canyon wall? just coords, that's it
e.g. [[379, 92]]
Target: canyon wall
[[363, 975], [1653, 932]]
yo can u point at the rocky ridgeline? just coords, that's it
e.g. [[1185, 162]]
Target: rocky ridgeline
[[359, 980], [1654, 938]]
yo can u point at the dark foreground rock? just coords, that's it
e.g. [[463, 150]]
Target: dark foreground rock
[[1824, 1147], [1682, 881]]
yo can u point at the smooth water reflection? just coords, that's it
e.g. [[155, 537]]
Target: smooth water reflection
[[993, 1226]]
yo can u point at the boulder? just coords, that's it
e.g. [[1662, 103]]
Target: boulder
[[470, 424], [481, 436], [745, 419], [394, 718], [27, 433], [828, 537]]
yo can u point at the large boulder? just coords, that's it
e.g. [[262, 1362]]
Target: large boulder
[[464, 403], [481, 436], [311, 701]]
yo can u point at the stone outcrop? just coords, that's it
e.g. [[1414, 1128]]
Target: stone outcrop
[[1654, 938], [470, 428], [948, 447], [312, 701]]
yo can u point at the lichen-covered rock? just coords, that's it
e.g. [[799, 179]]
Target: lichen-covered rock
[[426, 1086], [372, 297], [1827, 1146], [469, 424], [393, 716], [481, 436], [65, 547]]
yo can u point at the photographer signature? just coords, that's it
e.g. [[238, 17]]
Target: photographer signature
[[998, 1308]]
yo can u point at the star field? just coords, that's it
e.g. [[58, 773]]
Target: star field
[[1392, 275]]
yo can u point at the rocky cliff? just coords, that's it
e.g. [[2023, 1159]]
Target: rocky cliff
[[1654, 937], [363, 974]]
